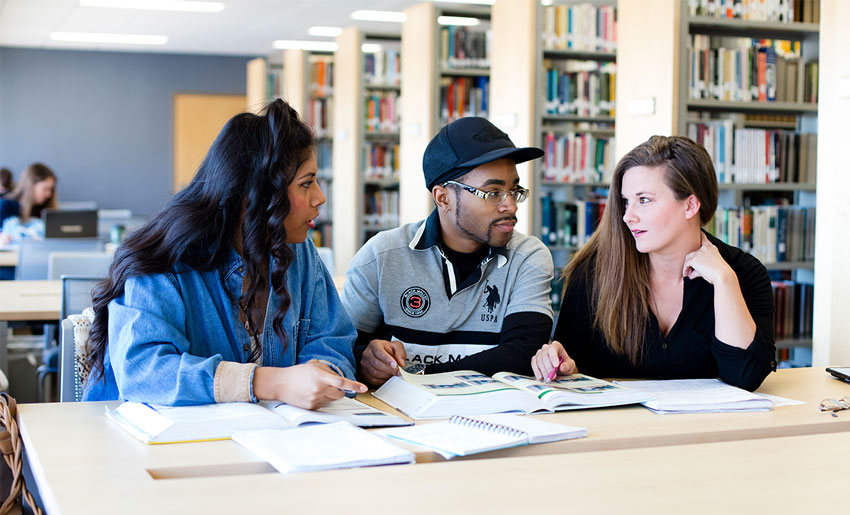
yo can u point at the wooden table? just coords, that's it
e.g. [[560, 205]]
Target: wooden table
[[29, 301], [635, 426], [8, 258], [85, 464]]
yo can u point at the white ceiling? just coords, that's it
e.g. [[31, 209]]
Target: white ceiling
[[244, 27]]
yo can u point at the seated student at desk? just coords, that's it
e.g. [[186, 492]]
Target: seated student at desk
[[7, 184], [221, 296], [460, 289], [20, 210], [651, 295]]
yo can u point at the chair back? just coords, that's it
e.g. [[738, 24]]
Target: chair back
[[327, 255], [80, 264], [76, 294], [33, 254], [70, 388]]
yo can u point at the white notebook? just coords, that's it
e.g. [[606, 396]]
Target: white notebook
[[697, 396], [460, 436], [321, 447]]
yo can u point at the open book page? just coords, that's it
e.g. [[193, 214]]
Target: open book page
[[350, 410], [451, 393], [573, 392], [698, 396], [321, 447]]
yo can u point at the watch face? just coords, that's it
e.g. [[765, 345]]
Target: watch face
[[416, 368]]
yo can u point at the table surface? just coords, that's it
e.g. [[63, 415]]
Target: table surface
[[91, 465], [30, 300]]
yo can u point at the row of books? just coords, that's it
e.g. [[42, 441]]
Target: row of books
[[757, 156], [463, 96], [793, 309], [383, 111], [324, 159], [785, 11], [465, 47], [380, 208], [322, 235], [748, 70], [382, 68], [584, 88], [773, 234], [321, 77], [580, 27], [381, 161], [569, 223], [325, 209], [319, 116], [274, 83], [577, 157]]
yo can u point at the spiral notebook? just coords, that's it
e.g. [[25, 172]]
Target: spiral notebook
[[460, 436]]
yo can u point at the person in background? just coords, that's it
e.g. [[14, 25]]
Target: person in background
[[7, 184], [20, 210], [652, 295], [460, 290], [221, 297]]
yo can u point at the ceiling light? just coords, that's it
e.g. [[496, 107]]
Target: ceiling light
[[390, 16], [371, 48], [314, 46], [158, 5], [120, 39], [546, 2], [477, 2], [329, 32], [458, 20]]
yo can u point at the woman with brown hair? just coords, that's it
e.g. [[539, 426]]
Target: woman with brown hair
[[652, 295], [20, 210]]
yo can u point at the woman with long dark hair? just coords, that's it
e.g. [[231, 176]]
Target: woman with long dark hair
[[652, 295], [20, 209], [221, 296]]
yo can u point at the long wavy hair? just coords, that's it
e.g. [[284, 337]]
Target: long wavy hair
[[617, 274], [23, 192], [244, 178]]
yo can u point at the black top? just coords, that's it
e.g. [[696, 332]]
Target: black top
[[690, 349]]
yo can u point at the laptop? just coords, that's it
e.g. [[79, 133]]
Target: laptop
[[64, 223]]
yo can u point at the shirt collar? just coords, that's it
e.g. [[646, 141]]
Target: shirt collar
[[429, 235]]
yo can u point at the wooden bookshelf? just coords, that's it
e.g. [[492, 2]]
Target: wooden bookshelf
[[355, 179], [420, 106], [263, 82]]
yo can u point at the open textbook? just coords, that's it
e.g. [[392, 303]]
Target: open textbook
[[464, 435], [466, 392], [697, 396], [328, 446], [171, 424]]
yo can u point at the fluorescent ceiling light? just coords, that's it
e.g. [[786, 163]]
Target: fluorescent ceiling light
[[158, 5], [458, 20], [477, 2], [316, 46], [120, 39], [390, 16], [545, 2], [330, 32], [371, 48]]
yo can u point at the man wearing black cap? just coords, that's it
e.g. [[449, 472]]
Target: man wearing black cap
[[460, 290]]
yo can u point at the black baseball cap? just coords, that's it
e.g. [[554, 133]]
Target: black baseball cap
[[466, 143]]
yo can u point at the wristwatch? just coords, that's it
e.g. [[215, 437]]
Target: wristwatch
[[416, 368]]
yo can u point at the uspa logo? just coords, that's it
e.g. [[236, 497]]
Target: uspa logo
[[415, 301]]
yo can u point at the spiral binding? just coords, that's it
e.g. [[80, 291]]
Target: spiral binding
[[487, 426]]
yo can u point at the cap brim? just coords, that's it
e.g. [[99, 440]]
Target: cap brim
[[519, 155]]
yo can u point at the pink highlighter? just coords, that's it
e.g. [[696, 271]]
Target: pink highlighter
[[554, 371]]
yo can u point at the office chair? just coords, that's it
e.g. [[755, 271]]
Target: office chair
[[76, 296], [33, 255]]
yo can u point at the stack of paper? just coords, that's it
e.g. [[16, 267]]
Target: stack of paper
[[697, 396], [321, 447]]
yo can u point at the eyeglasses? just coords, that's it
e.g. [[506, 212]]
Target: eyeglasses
[[495, 197], [834, 405]]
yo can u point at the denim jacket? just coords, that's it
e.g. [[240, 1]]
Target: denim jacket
[[172, 334]]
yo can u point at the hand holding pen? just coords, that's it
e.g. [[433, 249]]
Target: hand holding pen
[[552, 361]]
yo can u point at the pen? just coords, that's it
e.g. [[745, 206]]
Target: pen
[[554, 371]]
